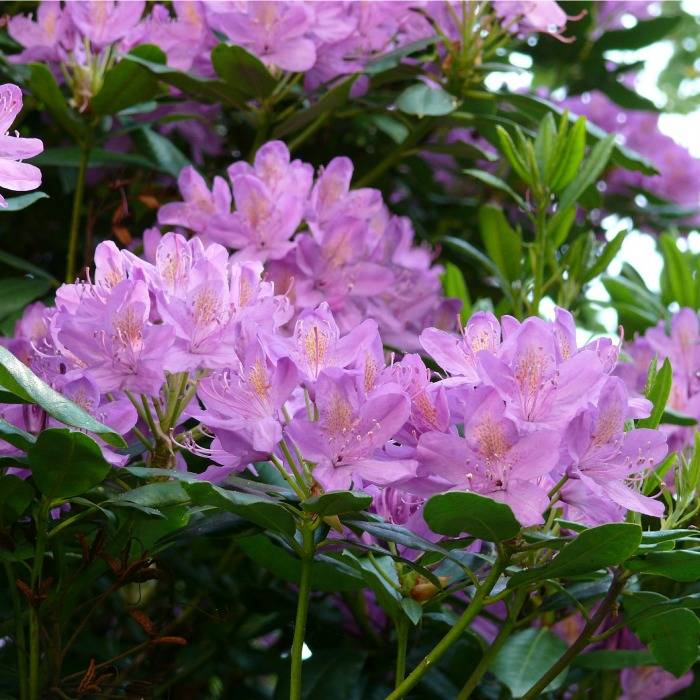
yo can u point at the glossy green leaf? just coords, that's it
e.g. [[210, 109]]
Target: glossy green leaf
[[606, 256], [264, 512], [245, 73], [319, 111], [337, 503], [327, 573], [613, 659], [596, 548], [516, 157], [637, 37], [587, 175], [15, 497], [545, 144], [671, 417], [460, 512], [413, 609], [65, 463], [426, 101], [569, 155], [498, 184], [671, 637], [17, 437], [160, 150], [658, 394], [380, 574], [455, 287], [24, 200], [502, 243], [391, 59], [128, 83], [70, 156], [17, 378], [45, 88], [18, 292], [211, 90], [157, 495], [526, 657], [677, 283], [679, 565]]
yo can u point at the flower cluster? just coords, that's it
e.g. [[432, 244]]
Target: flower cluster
[[639, 131], [680, 343], [14, 174], [320, 240]]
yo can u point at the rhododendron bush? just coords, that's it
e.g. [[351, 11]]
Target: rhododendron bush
[[306, 385]]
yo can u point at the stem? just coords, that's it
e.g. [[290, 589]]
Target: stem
[[287, 478], [454, 634], [34, 624], [293, 467], [75, 217], [307, 561], [618, 583], [503, 634], [401, 647], [20, 639]]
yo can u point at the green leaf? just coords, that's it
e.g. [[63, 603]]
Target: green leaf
[[425, 101], [545, 144], [337, 503], [455, 287], [321, 109], [502, 243], [613, 659], [658, 394], [677, 282], [127, 83], [596, 548], [378, 571], [17, 378], [245, 73], [587, 175], [672, 637], [45, 88], [65, 463], [15, 497], [516, 158], [266, 513], [17, 437], [160, 494], [569, 155], [671, 417], [392, 59], [24, 200], [637, 37], [17, 292], [536, 108], [160, 150], [457, 512], [679, 565], [327, 573], [498, 184], [602, 261], [21, 264], [70, 156], [526, 657], [413, 609], [212, 90]]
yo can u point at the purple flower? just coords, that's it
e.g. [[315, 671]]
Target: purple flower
[[347, 441], [105, 22], [526, 16], [15, 175]]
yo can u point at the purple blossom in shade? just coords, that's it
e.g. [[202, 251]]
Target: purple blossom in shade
[[262, 225], [273, 31], [610, 12], [582, 506], [200, 204], [651, 683], [527, 16], [120, 347], [492, 459], [347, 442], [105, 22], [15, 175], [273, 167], [598, 452], [45, 39]]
